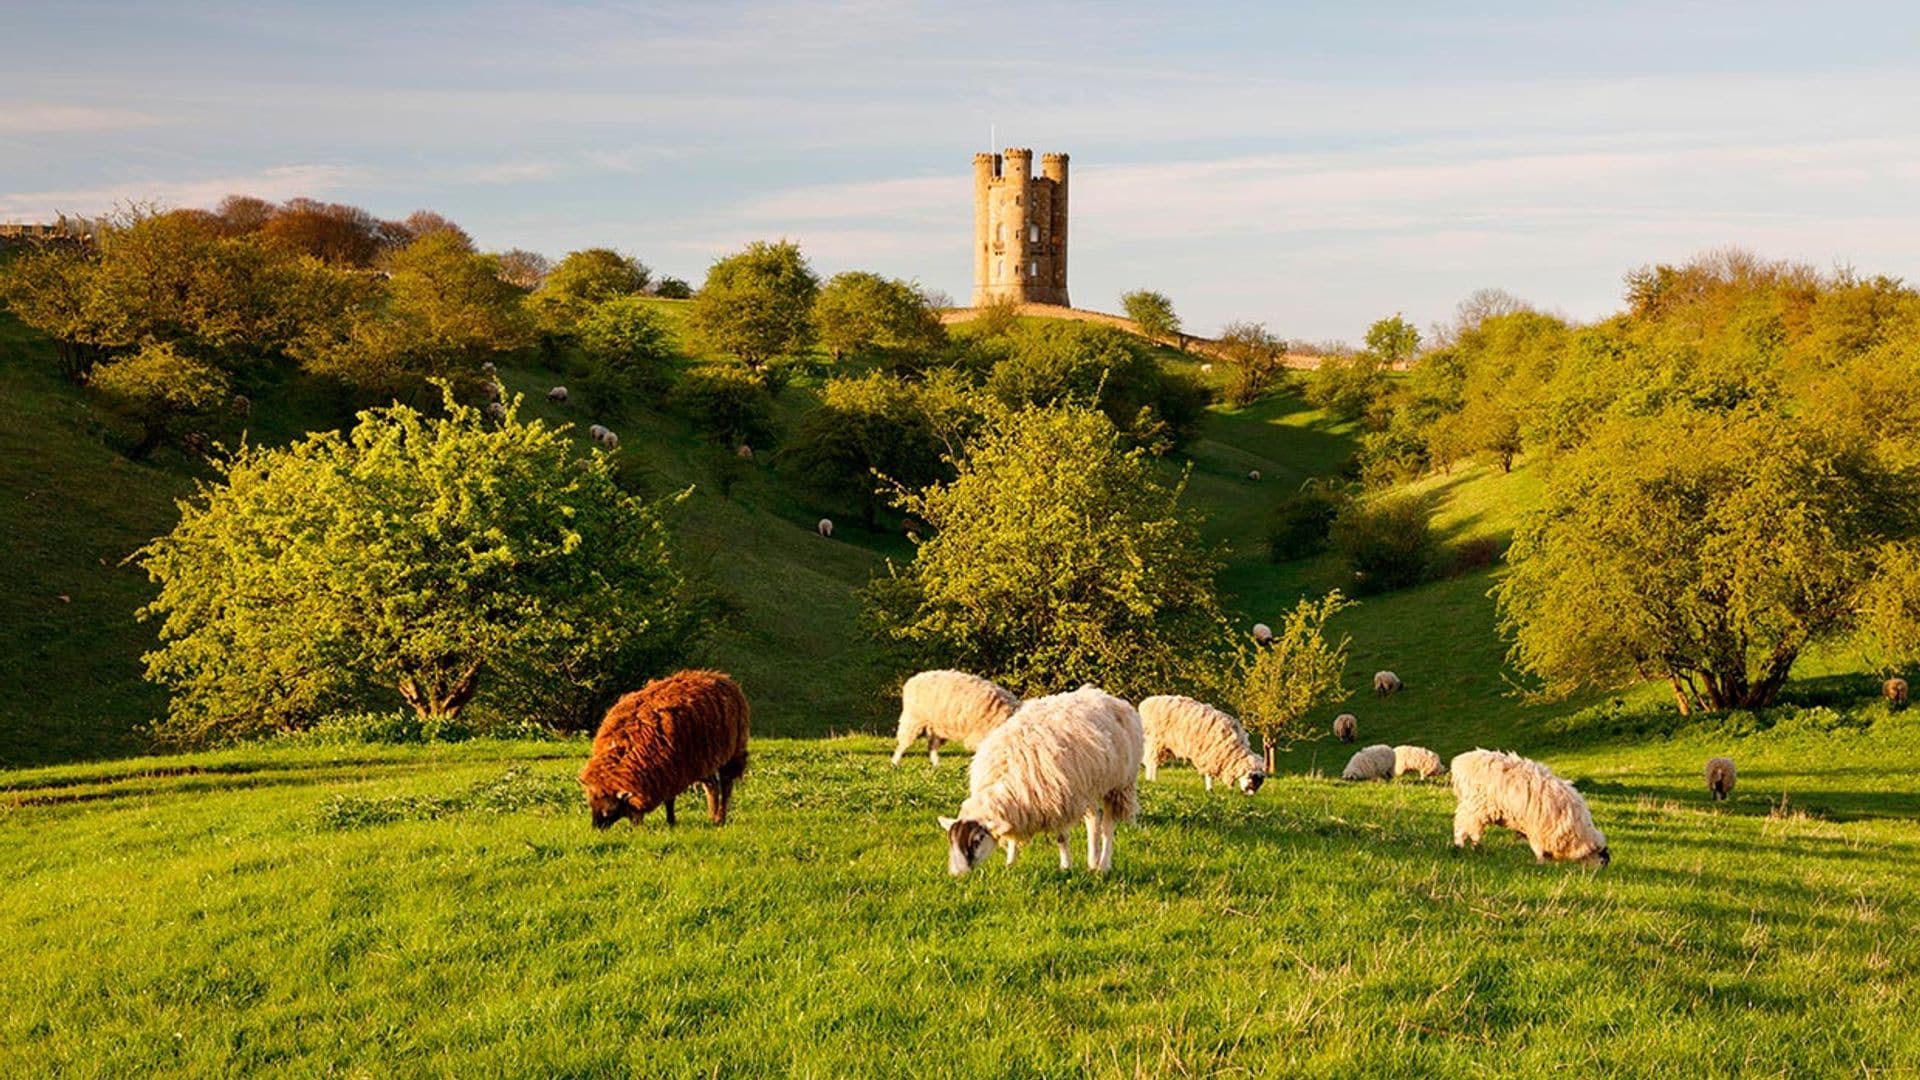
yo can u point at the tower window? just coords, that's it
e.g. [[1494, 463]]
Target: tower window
[[1000, 233], [999, 268], [1033, 269], [1033, 234]]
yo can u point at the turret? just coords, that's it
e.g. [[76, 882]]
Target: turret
[[1019, 228]]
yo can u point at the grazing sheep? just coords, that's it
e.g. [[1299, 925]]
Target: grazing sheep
[[825, 527], [1058, 760], [1496, 788], [242, 405], [1417, 759], [688, 728], [1253, 474], [1206, 369], [948, 706], [604, 436], [558, 395], [1373, 763], [496, 411], [1895, 691], [743, 451], [1217, 745], [1385, 682], [489, 368], [1720, 777], [1346, 726], [495, 392], [1262, 634]]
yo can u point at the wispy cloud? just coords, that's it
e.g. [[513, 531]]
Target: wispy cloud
[[43, 118], [280, 182]]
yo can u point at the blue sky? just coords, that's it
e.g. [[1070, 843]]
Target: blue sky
[[1311, 167]]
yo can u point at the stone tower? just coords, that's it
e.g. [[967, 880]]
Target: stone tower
[[1019, 228]]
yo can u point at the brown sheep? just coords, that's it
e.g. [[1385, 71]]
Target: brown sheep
[[688, 728], [1345, 727], [1895, 691]]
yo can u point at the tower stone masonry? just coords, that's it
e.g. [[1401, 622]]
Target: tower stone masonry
[[1019, 228]]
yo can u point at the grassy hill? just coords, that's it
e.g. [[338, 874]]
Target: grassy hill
[[298, 908]]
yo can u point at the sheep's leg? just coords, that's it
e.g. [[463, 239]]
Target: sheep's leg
[[1153, 762], [934, 743], [909, 734], [1108, 823], [1209, 783], [1013, 848], [716, 806], [1093, 839], [669, 811], [1066, 857]]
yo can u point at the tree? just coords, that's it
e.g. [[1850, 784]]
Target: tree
[[1346, 385], [1255, 359], [582, 279], [860, 313], [624, 339], [878, 429], [524, 269], [158, 388], [51, 289], [673, 288], [1393, 341], [1053, 361], [334, 233], [436, 559], [1057, 556], [1153, 313], [1387, 543], [727, 403], [758, 304], [1707, 548], [1274, 686]]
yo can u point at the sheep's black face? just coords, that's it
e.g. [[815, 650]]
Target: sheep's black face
[[1251, 783], [969, 844], [1605, 856], [607, 809]]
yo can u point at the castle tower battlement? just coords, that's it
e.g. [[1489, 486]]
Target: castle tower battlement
[[1019, 228]]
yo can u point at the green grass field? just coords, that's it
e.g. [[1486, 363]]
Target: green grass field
[[297, 909]]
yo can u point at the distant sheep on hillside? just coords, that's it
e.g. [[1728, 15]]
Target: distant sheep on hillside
[[743, 451], [1059, 760], [242, 405], [1386, 682], [496, 411], [1495, 788], [1213, 741], [1417, 759], [825, 527], [557, 395], [604, 436], [1895, 691], [1262, 634], [688, 728], [1253, 474], [1373, 763], [1720, 777], [1346, 726], [947, 706]]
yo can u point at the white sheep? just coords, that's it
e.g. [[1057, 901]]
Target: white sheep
[[1385, 682], [825, 527], [1417, 759], [743, 451], [1720, 777], [242, 405], [1206, 369], [496, 411], [596, 432], [1254, 475], [949, 706], [1262, 634], [1215, 742], [1346, 726], [1373, 763], [558, 395], [1058, 760], [1496, 788], [1895, 691], [604, 436], [488, 367]]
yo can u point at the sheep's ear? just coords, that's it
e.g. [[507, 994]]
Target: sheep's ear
[[947, 823], [623, 796]]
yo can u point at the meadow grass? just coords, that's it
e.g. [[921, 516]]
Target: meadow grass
[[448, 910]]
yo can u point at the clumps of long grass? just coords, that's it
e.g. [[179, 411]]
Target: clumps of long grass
[[512, 792], [406, 728]]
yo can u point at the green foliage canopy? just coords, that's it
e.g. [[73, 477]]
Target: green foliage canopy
[[157, 388], [1152, 312], [859, 314], [758, 304], [1275, 687]]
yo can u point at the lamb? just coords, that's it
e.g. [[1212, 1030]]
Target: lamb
[[688, 728], [1060, 759], [1217, 745], [1262, 634], [949, 706], [1895, 691], [1720, 777], [557, 395], [1385, 682], [1373, 763], [496, 411], [1496, 788], [825, 527], [1346, 726], [1417, 759]]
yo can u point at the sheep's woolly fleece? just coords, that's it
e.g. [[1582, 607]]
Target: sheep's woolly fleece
[[1057, 758], [950, 706], [1345, 727], [1720, 776], [1373, 763], [1180, 727], [1417, 759], [667, 736], [1386, 682], [1496, 788]]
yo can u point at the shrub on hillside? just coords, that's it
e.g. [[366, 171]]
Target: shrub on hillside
[[623, 339], [863, 314], [758, 304], [1387, 543], [727, 403], [1056, 361], [1255, 359], [1273, 687], [161, 391], [1303, 521]]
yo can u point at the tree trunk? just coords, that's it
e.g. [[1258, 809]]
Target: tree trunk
[[441, 699], [1679, 695], [1271, 765]]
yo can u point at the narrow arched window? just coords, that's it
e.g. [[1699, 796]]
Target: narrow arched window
[[1000, 233], [1033, 269], [1033, 234], [999, 268]]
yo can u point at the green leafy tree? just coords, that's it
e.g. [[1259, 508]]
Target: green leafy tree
[[51, 289], [727, 403], [1275, 687], [878, 429], [1255, 359], [1393, 341], [673, 288], [1057, 556], [1152, 312], [1058, 361], [1347, 386], [159, 389], [1706, 548], [435, 559], [858, 313], [625, 339], [581, 280], [758, 304], [1387, 543]]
